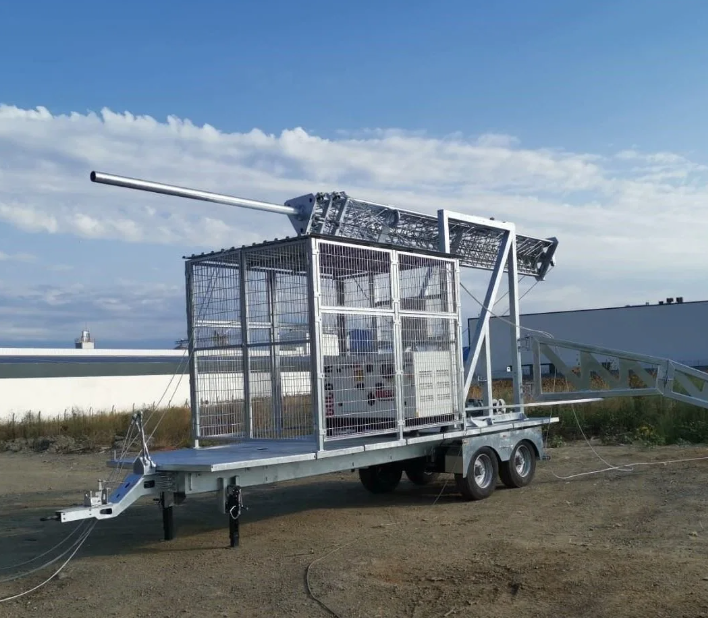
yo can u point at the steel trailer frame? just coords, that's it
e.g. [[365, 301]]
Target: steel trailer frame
[[489, 440]]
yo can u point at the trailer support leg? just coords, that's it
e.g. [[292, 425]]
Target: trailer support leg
[[167, 504], [234, 506]]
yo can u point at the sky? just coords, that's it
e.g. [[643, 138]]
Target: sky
[[583, 121]]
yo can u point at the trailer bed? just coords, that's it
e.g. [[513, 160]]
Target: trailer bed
[[258, 453]]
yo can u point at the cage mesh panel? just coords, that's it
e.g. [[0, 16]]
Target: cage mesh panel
[[278, 337], [360, 383], [297, 413], [276, 342], [220, 393], [431, 370], [216, 303], [354, 277], [426, 284], [359, 388]]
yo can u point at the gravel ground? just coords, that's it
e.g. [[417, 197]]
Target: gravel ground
[[613, 544]]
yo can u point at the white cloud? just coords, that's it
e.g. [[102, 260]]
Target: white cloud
[[629, 223], [17, 257], [120, 310]]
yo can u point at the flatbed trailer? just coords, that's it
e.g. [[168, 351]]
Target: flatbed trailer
[[475, 457], [341, 349]]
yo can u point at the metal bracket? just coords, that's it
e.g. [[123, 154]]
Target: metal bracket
[[234, 507], [96, 498], [144, 463]]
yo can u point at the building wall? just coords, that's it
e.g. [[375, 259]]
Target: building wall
[[56, 396], [677, 331], [58, 381]]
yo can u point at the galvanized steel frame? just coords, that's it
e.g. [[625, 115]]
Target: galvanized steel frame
[[317, 310], [193, 479], [506, 260]]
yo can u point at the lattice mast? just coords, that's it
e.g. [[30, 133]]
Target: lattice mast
[[475, 241]]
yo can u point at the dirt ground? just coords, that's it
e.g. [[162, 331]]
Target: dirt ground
[[613, 544]]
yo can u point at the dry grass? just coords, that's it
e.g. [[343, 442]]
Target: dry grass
[[650, 420], [100, 429]]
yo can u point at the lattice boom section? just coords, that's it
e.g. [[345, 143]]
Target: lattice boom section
[[478, 246], [578, 371], [250, 337], [688, 385], [389, 340], [587, 371]]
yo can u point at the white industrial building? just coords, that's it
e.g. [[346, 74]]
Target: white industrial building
[[671, 329]]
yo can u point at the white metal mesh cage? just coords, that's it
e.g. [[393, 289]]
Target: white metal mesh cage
[[305, 337]]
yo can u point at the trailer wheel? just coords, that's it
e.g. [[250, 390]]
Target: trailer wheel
[[521, 467], [481, 478], [417, 473], [381, 479]]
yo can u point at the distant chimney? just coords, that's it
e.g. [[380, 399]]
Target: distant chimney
[[84, 342], [669, 301], [661, 302], [679, 299]]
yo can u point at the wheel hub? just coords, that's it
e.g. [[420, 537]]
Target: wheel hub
[[522, 461], [483, 471]]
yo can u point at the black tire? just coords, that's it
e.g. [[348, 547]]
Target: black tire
[[417, 473], [381, 479], [521, 467], [481, 479]]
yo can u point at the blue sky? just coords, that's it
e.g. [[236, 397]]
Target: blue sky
[[577, 74], [591, 114]]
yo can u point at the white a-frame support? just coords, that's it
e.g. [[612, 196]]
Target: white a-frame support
[[506, 260]]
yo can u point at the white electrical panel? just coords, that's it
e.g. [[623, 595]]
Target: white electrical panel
[[364, 385]]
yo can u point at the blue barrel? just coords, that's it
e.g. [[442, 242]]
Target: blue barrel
[[361, 341]]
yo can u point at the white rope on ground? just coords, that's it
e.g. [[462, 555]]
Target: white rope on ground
[[42, 567], [628, 467], [59, 570], [620, 468], [49, 551]]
